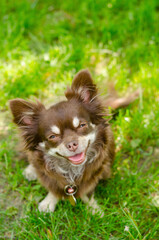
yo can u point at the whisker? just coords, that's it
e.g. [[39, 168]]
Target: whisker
[[94, 98]]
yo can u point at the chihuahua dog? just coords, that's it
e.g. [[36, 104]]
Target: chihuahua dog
[[70, 146]]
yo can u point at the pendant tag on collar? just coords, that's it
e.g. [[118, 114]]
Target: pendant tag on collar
[[70, 191], [72, 200]]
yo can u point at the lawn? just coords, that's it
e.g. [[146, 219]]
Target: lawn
[[42, 45]]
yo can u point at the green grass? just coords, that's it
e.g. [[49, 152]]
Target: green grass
[[42, 45]]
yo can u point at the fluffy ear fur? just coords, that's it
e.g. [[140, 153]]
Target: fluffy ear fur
[[85, 91], [26, 116], [82, 87], [25, 112]]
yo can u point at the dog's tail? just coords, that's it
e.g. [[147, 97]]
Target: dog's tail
[[115, 102]]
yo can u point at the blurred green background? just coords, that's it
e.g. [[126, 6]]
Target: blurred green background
[[42, 46], [44, 43]]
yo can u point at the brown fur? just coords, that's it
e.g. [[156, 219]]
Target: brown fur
[[35, 121], [99, 169]]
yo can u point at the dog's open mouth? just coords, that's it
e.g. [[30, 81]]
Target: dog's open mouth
[[77, 158]]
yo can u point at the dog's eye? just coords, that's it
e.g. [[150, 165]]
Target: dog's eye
[[52, 137], [82, 125]]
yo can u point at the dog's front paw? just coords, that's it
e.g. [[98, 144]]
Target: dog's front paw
[[93, 205], [29, 173], [95, 209], [48, 204]]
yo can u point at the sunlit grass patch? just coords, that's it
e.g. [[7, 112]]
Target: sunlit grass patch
[[42, 46]]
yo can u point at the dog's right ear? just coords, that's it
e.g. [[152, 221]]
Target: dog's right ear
[[85, 91], [83, 87], [25, 113]]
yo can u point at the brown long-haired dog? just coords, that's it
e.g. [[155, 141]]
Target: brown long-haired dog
[[70, 146]]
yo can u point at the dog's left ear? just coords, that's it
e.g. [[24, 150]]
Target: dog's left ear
[[82, 87], [25, 113]]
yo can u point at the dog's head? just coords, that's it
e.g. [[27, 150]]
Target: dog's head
[[67, 129]]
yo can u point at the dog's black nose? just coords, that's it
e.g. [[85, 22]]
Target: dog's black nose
[[72, 146]]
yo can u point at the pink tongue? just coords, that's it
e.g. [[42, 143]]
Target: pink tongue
[[77, 157]]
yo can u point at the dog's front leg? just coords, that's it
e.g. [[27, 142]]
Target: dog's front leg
[[30, 173], [92, 203], [49, 203]]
